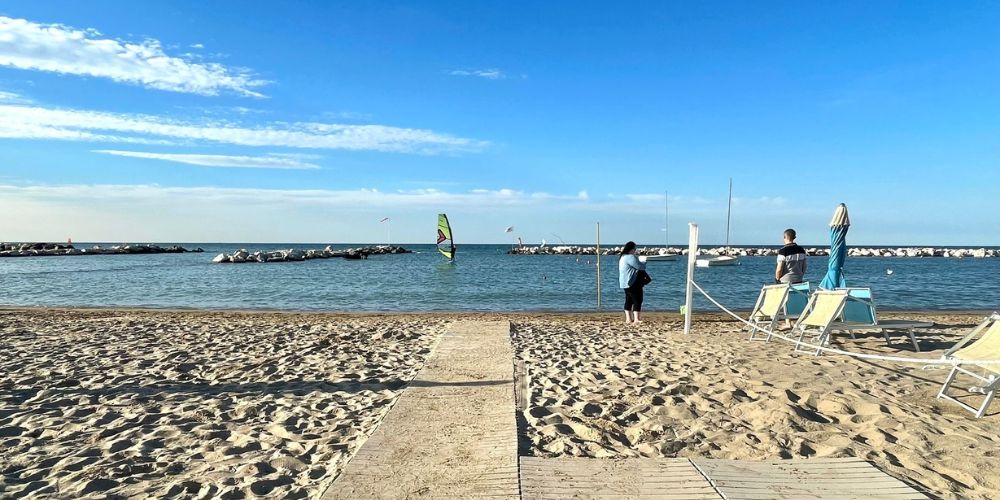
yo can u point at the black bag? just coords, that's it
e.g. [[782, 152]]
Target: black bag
[[642, 278]]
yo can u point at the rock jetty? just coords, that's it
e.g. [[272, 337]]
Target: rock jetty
[[58, 249], [292, 255], [765, 252]]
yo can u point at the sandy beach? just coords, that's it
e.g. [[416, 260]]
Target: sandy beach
[[193, 405], [602, 389], [216, 404]]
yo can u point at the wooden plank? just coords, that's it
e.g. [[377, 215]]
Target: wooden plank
[[787, 479], [522, 394], [452, 433], [572, 477]]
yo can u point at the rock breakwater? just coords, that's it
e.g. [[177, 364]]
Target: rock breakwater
[[292, 255], [58, 249]]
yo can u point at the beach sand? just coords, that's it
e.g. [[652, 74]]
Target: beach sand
[[157, 404], [603, 389], [216, 404]]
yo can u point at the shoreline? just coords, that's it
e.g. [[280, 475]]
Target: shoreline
[[541, 313]]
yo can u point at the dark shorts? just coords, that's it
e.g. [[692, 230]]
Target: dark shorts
[[633, 298]]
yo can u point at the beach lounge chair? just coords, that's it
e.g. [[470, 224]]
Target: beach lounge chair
[[859, 315], [823, 308], [987, 347], [776, 303], [770, 309]]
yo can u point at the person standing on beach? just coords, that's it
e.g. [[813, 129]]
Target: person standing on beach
[[791, 261], [628, 279]]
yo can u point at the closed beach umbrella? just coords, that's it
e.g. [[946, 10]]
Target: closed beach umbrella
[[838, 249]]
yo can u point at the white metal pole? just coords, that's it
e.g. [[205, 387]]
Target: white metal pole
[[692, 256]]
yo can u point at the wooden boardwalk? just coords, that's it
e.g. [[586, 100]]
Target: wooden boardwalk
[[667, 479], [817, 478], [681, 478], [452, 433]]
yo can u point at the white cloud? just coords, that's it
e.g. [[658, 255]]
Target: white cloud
[[63, 49], [197, 46], [32, 122], [13, 98], [310, 197], [346, 115], [760, 202], [209, 213], [274, 161], [489, 74], [645, 198]]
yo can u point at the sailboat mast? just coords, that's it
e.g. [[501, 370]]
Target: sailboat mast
[[666, 220], [729, 212]]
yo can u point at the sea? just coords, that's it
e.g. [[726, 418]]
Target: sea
[[482, 278]]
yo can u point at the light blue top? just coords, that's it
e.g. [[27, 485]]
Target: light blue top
[[628, 267]]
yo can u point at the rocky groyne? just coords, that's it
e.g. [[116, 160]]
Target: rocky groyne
[[765, 251], [292, 255], [59, 249]]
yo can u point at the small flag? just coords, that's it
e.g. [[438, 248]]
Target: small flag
[[509, 229], [384, 220]]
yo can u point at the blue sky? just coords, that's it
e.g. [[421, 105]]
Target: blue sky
[[311, 121]]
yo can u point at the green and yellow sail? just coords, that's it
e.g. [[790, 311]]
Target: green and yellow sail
[[445, 243]]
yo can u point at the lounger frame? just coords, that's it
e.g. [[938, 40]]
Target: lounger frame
[[866, 299], [769, 319], [805, 326], [990, 378]]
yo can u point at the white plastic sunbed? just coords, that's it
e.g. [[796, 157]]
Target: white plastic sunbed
[[776, 303], [817, 319], [986, 348], [770, 309], [859, 315]]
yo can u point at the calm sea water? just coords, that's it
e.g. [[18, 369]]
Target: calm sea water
[[484, 278]]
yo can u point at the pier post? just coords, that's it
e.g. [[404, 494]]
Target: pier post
[[689, 289]]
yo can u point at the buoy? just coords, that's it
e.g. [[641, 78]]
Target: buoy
[[888, 272]]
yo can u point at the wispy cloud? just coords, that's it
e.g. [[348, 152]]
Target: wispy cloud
[[63, 49], [473, 199], [346, 115], [149, 212], [351, 198], [13, 98], [273, 161], [33, 122], [489, 73]]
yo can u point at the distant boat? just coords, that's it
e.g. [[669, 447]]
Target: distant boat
[[664, 256], [445, 243], [722, 260]]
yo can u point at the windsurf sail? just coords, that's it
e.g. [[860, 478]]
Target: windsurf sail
[[445, 243]]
